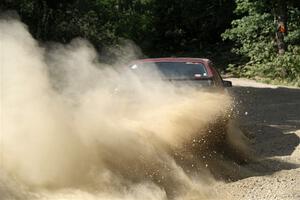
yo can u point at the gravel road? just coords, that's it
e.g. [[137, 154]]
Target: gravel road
[[271, 117], [268, 115]]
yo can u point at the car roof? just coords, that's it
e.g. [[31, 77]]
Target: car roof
[[172, 59]]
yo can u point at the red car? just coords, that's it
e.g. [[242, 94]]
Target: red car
[[183, 69], [198, 72]]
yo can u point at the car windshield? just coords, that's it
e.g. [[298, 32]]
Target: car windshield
[[173, 70]]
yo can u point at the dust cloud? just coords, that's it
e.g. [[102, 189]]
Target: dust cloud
[[72, 128]]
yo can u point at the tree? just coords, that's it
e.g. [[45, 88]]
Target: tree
[[280, 16], [260, 34], [159, 27]]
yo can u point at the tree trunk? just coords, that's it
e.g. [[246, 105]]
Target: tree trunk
[[41, 19], [281, 20]]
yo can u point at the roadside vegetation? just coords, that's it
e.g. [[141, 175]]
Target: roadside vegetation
[[266, 34], [258, 39]]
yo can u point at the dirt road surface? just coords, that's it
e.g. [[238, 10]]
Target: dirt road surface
[[268, 115], [271, 117]]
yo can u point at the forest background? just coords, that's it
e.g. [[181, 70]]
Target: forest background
[[258, 39]]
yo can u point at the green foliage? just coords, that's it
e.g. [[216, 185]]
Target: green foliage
[[176, 27], [159, 27], [189, 25], [254, 37]]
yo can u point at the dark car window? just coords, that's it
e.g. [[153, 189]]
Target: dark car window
[[174, 70]]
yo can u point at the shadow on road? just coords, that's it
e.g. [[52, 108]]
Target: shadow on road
[[270, 118]]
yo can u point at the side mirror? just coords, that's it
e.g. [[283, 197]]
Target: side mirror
[[227, 83]]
